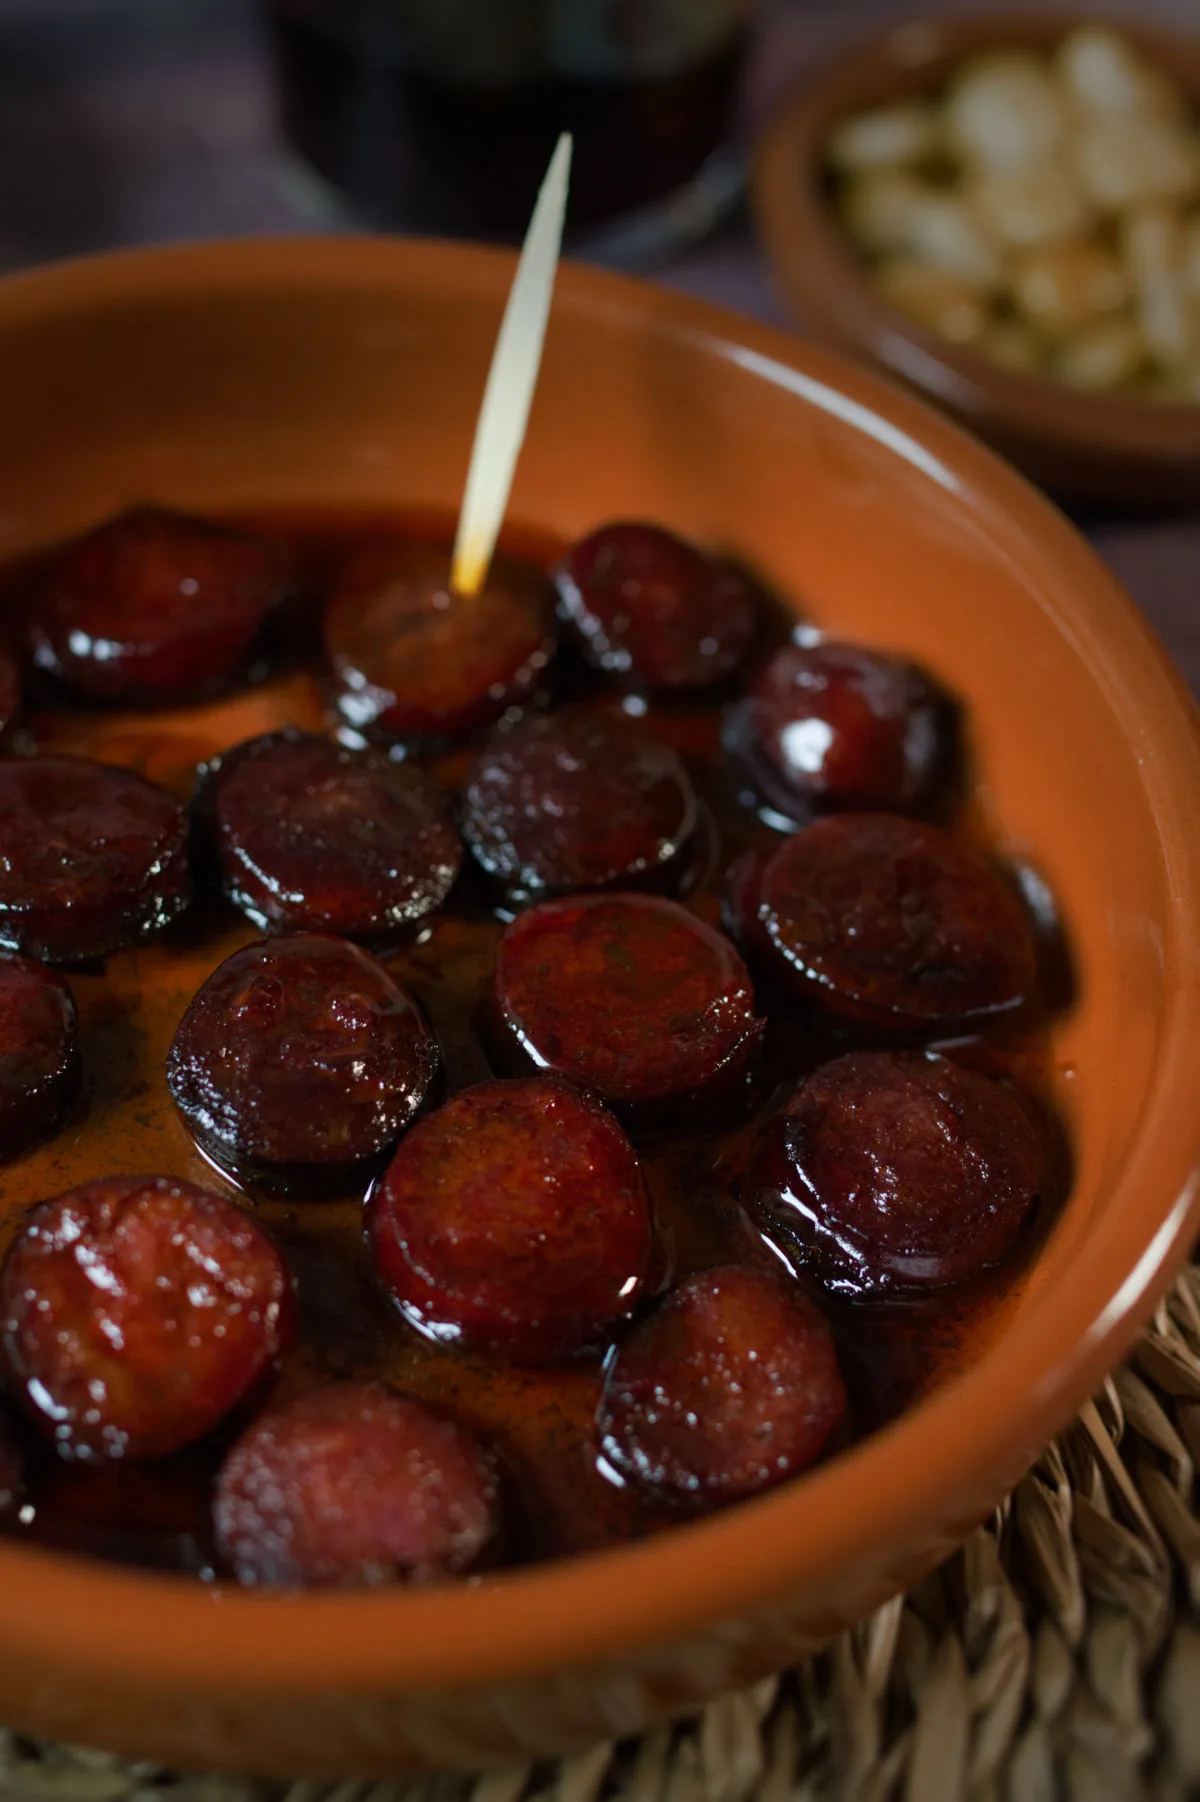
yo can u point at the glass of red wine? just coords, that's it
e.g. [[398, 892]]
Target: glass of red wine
[[439, 116]]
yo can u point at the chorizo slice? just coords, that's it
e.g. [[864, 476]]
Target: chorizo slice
[[149, 1516], [729, 1387], [310, 836], [577, 800], [630, 996], [10, 690], [898, 1170], [652, 611], [92, 858], [12, 1468], [353, 1485], [39, 1051], [137, 1312], [414, 662], [300, 1062], [887, 922], [514, 1219], [155, 608], [829, 726]]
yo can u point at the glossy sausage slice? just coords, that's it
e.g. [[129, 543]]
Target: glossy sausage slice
[[898, 1170], [92, 858], [653, 611], [311, 836], [515, 1219], [887, 922], [10, 690], [729, 1387], [413, 662], [136, 1312], [353, 1485], [829, 726], [155, 608], [12, 1467], [153, 1515], [630, 996], [300, 1062], [39, 1051], [577, 800]]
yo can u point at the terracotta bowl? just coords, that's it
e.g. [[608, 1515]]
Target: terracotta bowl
[[1088, 447], [348, 372]]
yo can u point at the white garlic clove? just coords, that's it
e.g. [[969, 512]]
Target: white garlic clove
[[1024, 207], [1151, 239], [1170, 320], [1152, 242], [878, 208], [934, 298], [946, 233], [1122, 162], [1006, 111], [887, 137], [1189, 257], [1062, 287], [1103, 355], [1103, 74]]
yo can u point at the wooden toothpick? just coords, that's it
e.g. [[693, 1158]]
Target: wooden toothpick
[[511, 382]]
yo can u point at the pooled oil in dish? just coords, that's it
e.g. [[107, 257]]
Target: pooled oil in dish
[[565, 1499]]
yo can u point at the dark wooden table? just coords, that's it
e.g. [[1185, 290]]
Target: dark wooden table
[[136, 121]]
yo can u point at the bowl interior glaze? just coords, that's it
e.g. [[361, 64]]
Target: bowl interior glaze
[[311, 374]]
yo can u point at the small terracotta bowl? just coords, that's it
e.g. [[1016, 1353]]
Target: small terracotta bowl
[[1086, 447], [347, 373]]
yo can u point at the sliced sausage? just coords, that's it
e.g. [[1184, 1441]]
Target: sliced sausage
[[39, 1051], [415, 662], [515, 1219], [92, 858], [300, 1062], [652, 611], [137, 1312], [577, 800], [311, 836], [898, 1170], [888, 922], [826, 727], [12, 1467], [354, 1485], [154, 1515], [729, 1387], [10, 690], [155, 608], [630, 996], [570, 1500]]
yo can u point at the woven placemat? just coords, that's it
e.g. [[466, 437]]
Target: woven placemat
[[1056, 1656]]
